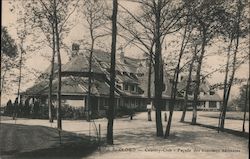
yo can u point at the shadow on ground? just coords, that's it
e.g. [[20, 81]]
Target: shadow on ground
[[72, 150], [230, 131], [147, 137], [22, 141]]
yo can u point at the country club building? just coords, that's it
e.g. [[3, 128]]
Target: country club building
[[131, 88]]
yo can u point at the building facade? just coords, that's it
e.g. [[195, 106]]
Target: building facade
[[131, 88]]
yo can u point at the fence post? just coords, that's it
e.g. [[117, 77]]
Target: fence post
[[99, 133], [166, 117], [60, 138]]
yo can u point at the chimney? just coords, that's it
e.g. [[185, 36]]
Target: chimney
[[75, 49], [121, 54]]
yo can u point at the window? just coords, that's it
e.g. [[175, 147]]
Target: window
[[211, 92], [189, 92], [118, 86], [140, 74], [212, 104], [118, 72], [133, 88], [126, 87], [133, 75], [182, 92]]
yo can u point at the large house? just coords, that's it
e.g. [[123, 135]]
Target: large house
[[208, 98], [130, 88]]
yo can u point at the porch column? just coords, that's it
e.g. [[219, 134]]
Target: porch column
[[84, 102], [98, 104], [207, 104], [218, 105], [117, 103]]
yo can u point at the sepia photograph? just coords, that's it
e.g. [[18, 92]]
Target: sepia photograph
[[124, 79]]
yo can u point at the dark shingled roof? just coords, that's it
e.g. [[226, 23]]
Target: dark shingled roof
[[36, 88], [80, 64], [71, 86], [126, 73]]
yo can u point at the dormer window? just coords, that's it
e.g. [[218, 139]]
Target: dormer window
[[118, 86], [133, 88], [140, 74], [189, 92], [133, 75], [126, 87], [211, 92]]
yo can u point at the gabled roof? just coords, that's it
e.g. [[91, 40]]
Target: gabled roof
[[143, 80], [126, 70], [204, 85]]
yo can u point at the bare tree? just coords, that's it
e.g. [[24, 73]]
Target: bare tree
[[206, 16], [52, 17], [112, 75], [188, 84], [94, 12], [156, 20], [234, 37], [185, 40], [22, 33], [246, 104]]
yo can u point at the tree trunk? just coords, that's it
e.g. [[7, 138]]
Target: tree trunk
[[247, 94], [175, 83], [59, 120], [197, 79], [89, 79], [158, 73], [189, 80], [225, 83], [20, 75], [237, 33], [149, 83], [1, 80], [112, 75], [229, 86], [245, 106], [51, 76]]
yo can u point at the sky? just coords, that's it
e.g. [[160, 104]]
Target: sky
[[37, 62]]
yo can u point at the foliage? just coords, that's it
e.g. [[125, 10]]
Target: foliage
[[38, 111], [8, 45], [9, 51], [241, 99]]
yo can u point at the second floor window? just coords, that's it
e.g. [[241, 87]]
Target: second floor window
[[126, 87]]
